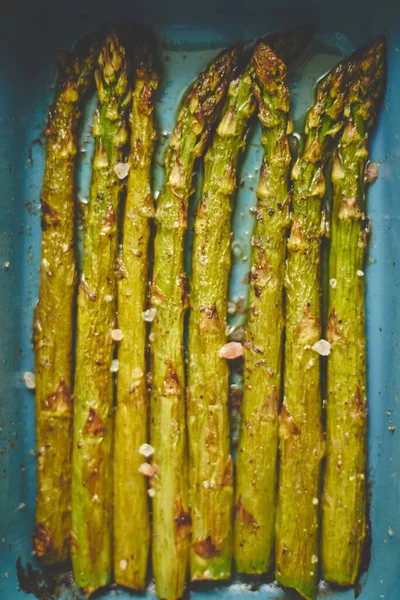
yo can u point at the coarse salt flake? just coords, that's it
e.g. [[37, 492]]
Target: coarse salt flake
[[147, 469], [30, 380], [315, 501], [360, 273], [121, 170], [117, 335], [108, 298], [314, 559], [146, 450], [333, 283], [322, 347], [114, 366], [371, 172], [390, 532], [151, 492], [231, 350], [123, 564], [149, 314], [137, 373]]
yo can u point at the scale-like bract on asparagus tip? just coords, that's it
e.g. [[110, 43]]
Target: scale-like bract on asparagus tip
[[270, 73], [210, 87], [366, 90], [112, 71]]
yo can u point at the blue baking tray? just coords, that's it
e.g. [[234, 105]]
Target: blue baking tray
[[190, 34]]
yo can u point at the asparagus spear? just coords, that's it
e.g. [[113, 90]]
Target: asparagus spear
[[344, 502], [300, 432], [171, 520], [53, 321], [131, 517], [93, 421], [258, 443], [211, 466]]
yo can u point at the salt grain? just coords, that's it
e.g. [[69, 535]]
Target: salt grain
[[231, 350], [147, 469], [322, 347], [30, 380], [371, 172], [333, 283], [114, 366], [137, 373], [146, 450], [151, 492], [148, 315], [123, 564], [122, 170], [117, 335], [360, 273]]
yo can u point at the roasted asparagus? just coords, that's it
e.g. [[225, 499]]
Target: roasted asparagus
[[344, 499], [92, 481], [300, 431], [211, 465], [256, 471], [54, 314], [170, 485]]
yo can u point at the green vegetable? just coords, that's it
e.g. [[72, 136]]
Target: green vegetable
[[300, 433], [131, 510], [171, 520], [92, 488], [53, 320], [211, 465], [344, 501], [256, 472]]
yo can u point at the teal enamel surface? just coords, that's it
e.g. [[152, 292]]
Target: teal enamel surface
[[191, 35]]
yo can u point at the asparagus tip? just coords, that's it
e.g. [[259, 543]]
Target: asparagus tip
[[112, 70], [76, 67], [210, 87]]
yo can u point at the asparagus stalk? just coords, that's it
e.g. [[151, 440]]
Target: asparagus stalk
[[93, 420], [344, 501], [131, 516], [171, 520], [211, 465], [53, 320], [300, 431], [256, 473]]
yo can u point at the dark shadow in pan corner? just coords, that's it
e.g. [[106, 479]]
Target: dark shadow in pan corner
[[101, 592], [45, 582], [208, 585]]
